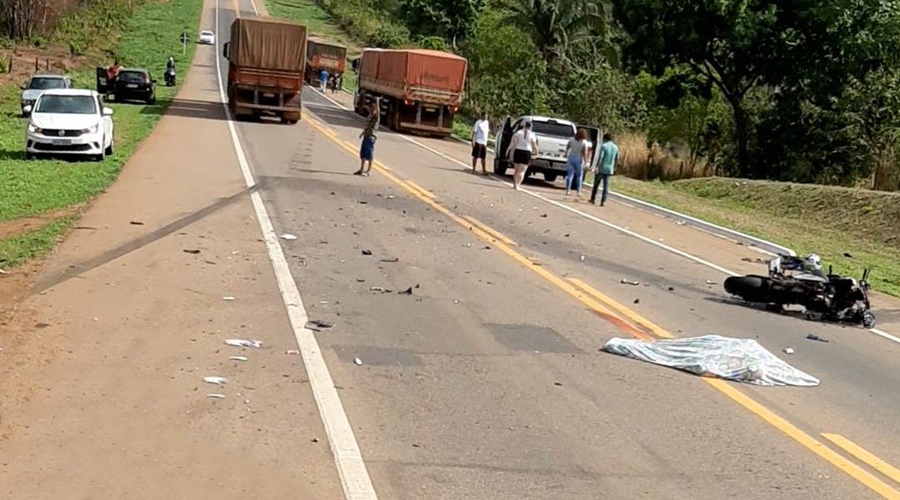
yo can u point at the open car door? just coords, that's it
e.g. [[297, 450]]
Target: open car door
[[501, 143], [594, 136], [102, 84]]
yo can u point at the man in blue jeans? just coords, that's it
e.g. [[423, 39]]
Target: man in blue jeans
[[609, 155]]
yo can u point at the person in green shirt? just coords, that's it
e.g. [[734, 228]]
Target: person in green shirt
[[609, 155]]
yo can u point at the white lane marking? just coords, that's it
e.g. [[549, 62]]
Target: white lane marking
[[645, 239], [347, 456], [255, 10]]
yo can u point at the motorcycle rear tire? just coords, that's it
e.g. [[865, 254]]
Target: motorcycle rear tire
[[749, 288]]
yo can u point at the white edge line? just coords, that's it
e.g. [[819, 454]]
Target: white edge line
[[355, 478], [643, 238]]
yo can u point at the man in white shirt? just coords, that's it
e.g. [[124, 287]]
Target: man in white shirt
[[479, 142]]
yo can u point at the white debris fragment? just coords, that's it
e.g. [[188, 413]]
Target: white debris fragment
[[788, 350], [582, 258], [2, 271], [238, 358], [680, 223], [358, 361], [228, 298], [216, 396], [710, 282], [215, 380], [244, 343], [288, 237], [629, 282]]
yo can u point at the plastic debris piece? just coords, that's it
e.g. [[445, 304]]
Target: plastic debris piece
[[2, 271], [681, 223], [367, 252], [743, 360], [358, 361], [629, 282], [710, 282], [816, 338], [408, 291], [582, 258], [788, 350], [216, 396], [228, 298], [317, 326], [238, 358], [395, 259], [379, 289], [136, 223], [293, 352], [192, 251], [244, 343], [288, 237], [215, 380]]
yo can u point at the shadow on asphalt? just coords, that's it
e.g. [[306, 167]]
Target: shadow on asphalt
[[189, 109]]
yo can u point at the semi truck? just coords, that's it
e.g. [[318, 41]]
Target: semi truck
[[324, 54], [418, 90], [266, 60]]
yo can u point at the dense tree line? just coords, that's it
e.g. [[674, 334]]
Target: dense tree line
[[794, 90]]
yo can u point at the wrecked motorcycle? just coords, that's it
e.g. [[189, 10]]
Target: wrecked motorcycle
[[835, 298]]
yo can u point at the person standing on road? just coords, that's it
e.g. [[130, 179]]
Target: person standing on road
[[323, 77], [522, 146], [479, 142], [367, 147], [609, 155], [577, 156]]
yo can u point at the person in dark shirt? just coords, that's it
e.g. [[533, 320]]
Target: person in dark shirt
[[367, 148]]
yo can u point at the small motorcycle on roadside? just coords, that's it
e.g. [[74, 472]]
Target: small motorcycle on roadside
[[169, 77], [841, 299]]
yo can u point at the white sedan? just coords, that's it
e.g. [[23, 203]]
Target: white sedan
[[207, 38], [71, 122]]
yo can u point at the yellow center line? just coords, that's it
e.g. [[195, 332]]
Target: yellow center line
[[490, 231], [865, 456], [419, 188], [592, 299]]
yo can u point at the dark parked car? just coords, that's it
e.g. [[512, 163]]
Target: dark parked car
[[130, 84]]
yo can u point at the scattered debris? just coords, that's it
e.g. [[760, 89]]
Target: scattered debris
[[816, 338], [408, 291], [543, 216], [215, 380], [359, 280], [637, 301], [582, 258], [628, 282], [710, 282], [288, 237], [363, 202], [393, 260], [557, 384], [316, 440], [136, 223], [193, 251], [788, 350], [743, 360], [216, 396], [358, 361], [228, 298], [379, 289], [244, 343], [292, 352], [2, 271], [317, 326], [367, 252], [238, 358], [681, 223], [671, 288]]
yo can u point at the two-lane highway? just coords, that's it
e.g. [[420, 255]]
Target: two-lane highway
[[485, 380]]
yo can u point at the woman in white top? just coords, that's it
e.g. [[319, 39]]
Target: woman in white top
[[522, 146]]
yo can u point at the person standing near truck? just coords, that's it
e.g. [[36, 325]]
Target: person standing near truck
[[323, 77], [577, 156], [479, 142], [367, 147], [609, 154], [522, 146]]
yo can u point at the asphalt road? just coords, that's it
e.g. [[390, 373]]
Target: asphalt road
[[486, 381]]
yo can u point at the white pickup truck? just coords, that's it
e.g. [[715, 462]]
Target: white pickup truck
[[553, 135]]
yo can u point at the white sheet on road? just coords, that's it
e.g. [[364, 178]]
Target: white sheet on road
[[743, 360]]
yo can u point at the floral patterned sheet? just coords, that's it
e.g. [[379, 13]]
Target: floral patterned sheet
[[743, 360]]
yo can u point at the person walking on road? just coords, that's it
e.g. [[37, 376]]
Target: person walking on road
[[367, 147], [609, 155], [577, 156], [323, 77], [479, 142], [522, 146]]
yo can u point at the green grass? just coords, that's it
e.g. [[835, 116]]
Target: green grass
[[37, 187], [807, 218], [35, 244], [318, 22]]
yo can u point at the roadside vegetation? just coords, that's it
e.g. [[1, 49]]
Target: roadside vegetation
[[138, 33]]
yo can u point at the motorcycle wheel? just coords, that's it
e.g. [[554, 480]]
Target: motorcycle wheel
[[749, 288], [869, 320]]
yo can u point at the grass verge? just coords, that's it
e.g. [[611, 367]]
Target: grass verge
[[37, 187], [826, 220]]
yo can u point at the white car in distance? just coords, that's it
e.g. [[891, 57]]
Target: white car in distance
[[37, 84], [69, 122], [207, 38]]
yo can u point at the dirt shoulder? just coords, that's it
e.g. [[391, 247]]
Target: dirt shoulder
[[103, 364]]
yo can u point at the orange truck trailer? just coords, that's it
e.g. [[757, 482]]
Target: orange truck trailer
[[324, 54], [418, 90], [266, 60]]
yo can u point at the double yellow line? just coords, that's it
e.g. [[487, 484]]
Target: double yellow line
[[638, 326]]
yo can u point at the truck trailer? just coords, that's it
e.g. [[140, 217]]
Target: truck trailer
[[418, 90], [266, 61], [324, 54]]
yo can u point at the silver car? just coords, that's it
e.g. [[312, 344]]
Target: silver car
[[37, 84]]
